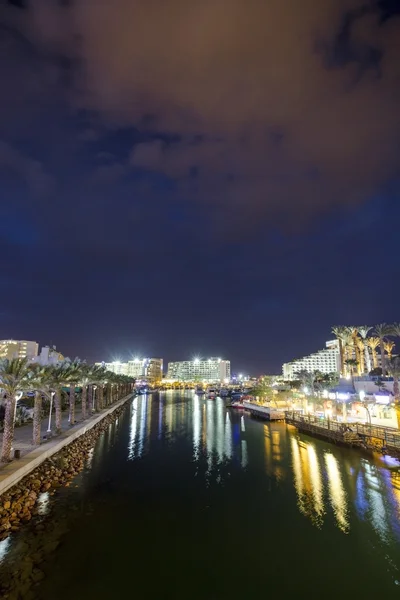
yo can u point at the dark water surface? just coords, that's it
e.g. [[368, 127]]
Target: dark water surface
[[183, 498]]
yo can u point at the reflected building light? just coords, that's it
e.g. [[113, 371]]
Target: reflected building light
[[4, 548], [142, 426], [242, 424], [220, 429], [43, 505], [160, 418], [337, 494], [267, 449], [276, 446], [228, 446], [244, 454], [196, 427], [298, 475], [210, 426], [132, 430], [89, 460], [376, 504], [316, 482]]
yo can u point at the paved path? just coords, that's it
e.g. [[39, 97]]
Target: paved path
[[23, 435]]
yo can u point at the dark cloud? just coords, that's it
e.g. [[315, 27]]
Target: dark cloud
[[216, 129]]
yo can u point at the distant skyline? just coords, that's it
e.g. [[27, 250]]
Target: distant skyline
[[181, 179]]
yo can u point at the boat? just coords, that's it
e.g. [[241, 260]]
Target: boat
[[235, 404], [223, 393], [199, 391], [211, 393]]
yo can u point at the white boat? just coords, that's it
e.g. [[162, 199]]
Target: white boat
[[211, 393], [199, 391]]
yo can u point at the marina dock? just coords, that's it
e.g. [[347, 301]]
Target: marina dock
[[264, 412], [385, 440]]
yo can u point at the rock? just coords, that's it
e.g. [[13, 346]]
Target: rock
[[7, 505], [37, 575]]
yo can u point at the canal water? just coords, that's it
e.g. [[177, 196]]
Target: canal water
[[183, 498]]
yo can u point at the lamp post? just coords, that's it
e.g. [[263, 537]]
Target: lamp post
[[51, 408], [18, 396], [93, 397]]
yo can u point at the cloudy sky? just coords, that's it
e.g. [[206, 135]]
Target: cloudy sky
[[213, 177]]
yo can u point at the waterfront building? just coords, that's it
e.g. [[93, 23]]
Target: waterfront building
[[210, 370], [48, 356], [325, 361], [150, 369], [18, 349]]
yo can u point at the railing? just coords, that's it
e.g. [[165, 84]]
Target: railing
[[389, 435]]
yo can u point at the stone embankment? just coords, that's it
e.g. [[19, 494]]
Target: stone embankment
[[19, 504]]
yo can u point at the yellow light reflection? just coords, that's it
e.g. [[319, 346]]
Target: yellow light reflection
[[337, 494], [308, 481]]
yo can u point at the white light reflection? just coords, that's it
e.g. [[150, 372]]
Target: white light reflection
[[377, 508], [242, 425], [220, 430], [132, 432], [337, 493], [244, 454], [228, 436], [142, 426], [196, 427], [4, 547], [43, 503]]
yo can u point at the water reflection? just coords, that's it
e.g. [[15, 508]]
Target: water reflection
[[337, 494]]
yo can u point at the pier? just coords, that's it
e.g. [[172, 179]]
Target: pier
[[385, 440], [264, 412]]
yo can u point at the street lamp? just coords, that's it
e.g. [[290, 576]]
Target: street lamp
[[18, 396], [51, 408]]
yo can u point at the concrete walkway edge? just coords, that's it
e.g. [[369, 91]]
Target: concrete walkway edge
[[12, 473]]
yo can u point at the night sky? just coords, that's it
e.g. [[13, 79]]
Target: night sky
[[198, 177]]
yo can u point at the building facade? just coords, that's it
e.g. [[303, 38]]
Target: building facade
[[150, 369], [211, 370], [18, 349], [48, 356], [325, 361]]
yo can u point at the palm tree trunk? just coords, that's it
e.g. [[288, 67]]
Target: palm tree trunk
[[90, 400], [72, 404], [84, 406], [57, 404], [101, 397], [382, 348], [374, 358], [97, 399], [396, 392], [108, 394], [367, 357], [8, 434], [37, 419]]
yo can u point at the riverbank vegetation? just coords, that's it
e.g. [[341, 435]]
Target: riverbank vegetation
[[64, 383]]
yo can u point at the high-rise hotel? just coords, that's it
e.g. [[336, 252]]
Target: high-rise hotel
[[212, 370]]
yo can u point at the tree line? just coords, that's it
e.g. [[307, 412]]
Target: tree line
[[99, 388]]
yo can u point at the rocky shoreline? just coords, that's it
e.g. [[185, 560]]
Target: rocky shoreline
[[20, 504]]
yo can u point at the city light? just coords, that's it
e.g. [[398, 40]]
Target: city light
[[196, 361]]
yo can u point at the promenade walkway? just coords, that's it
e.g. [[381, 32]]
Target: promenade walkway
[[32, 457]]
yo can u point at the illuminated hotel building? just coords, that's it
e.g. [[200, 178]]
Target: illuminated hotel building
[[325, 361], [150, 369], [211, 370], [18, 349]]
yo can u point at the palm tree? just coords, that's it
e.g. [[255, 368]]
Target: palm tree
[[15, 376], [373, 343], [364, 330], [98, 376], [341, 332], [74, 374], [43, 385], [353, 332], [381, 331], [361, 357], [59, 378], [85, 380], [389, 347], [393, 367]]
